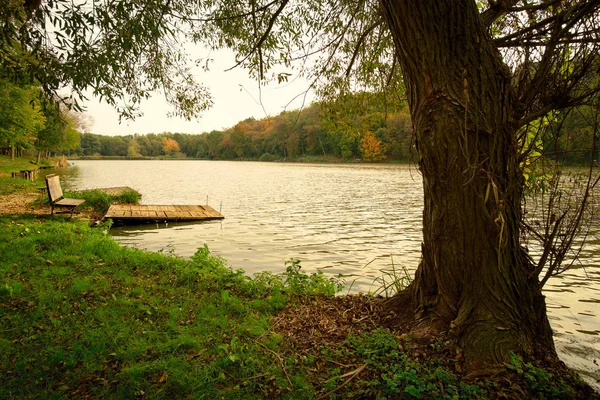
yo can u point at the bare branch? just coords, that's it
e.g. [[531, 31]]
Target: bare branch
[[568, 17]]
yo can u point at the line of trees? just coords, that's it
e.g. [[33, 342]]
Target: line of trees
[[31, 122], [374, 136], [289, 135]]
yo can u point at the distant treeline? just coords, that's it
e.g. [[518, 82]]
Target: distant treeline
[[289, 135], [360, 126], [373, 136]]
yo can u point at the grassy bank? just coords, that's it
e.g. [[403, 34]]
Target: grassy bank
[[82, 317], [96, 201], [9, 185]]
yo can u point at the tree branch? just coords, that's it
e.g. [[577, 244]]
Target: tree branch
[[359, 43], [264, 36], [569, 16], [497, 10], [535, 7], [213, 19]]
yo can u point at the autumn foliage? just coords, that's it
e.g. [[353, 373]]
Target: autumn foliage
[[170, 146], [371, 148]]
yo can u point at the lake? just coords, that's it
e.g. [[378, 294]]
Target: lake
[[355, 220]]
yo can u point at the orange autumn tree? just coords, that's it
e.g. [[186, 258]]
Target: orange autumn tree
[[371, 148], [170, 146]]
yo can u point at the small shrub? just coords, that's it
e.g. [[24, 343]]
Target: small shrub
[[294, 281], [267, 157], [99, 201]]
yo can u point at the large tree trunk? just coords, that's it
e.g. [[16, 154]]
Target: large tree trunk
[[474, 281]]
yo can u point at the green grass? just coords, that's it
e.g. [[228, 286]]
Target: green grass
[[99, 201], [8, 184], [81, 315]]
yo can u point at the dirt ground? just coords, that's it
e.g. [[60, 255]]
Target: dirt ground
[[22, 203], [25, 203]]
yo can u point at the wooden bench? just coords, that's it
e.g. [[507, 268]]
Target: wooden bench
[[55, 195]]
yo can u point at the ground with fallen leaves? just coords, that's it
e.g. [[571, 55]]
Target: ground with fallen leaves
[[326, 323], [22, 203]]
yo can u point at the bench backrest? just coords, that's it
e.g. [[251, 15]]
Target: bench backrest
[[54, 190]]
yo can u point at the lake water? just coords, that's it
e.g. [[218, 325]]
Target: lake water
[[355, 220]]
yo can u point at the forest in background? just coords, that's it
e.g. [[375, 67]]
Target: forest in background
[[357, 127], [32, 123], [315, 132], [374, 136]]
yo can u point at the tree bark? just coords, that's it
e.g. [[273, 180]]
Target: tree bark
[[474, 281]]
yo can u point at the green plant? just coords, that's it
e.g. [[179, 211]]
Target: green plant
[[541, 383], [392, 280], [294, 281], [99, 201], [398, 376]]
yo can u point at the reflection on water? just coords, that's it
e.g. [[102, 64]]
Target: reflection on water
[[353, 220]]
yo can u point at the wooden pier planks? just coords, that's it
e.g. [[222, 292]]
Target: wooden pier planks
[[139, 212]]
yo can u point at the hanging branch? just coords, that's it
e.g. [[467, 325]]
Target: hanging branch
[[264, 36], [359, 43]]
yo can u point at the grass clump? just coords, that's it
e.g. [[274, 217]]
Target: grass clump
[[99, 201], [392, 280], [296, 282]]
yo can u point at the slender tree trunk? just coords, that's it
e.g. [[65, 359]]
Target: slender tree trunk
[[474, 281], [12, 152]]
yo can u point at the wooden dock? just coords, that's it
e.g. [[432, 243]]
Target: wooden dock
[[141, 213]]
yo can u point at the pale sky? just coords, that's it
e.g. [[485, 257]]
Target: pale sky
[[231, 104]]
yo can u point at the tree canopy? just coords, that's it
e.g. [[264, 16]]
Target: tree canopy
[[20, 115], [126, 50]]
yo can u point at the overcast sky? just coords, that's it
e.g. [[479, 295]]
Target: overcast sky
[[235, 98]]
